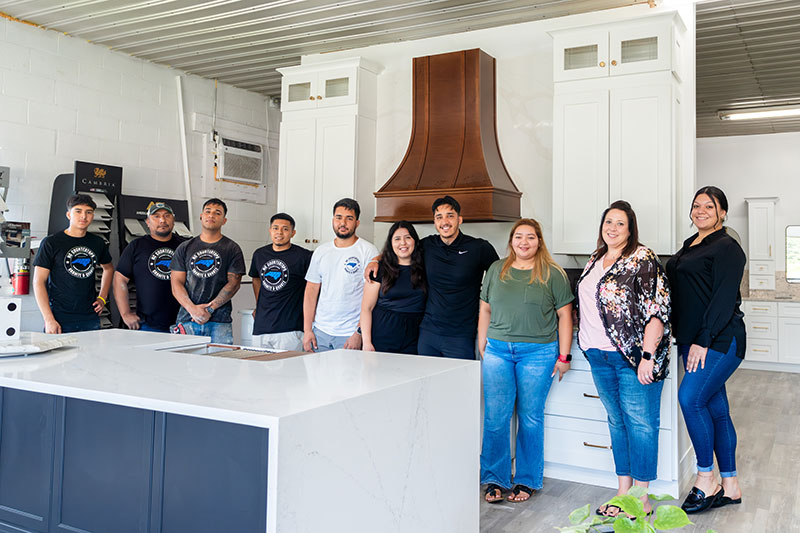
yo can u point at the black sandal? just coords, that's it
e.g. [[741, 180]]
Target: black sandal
[[491, 496], [601, 512], [517, 490]]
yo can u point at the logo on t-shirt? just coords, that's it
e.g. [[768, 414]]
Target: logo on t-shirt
[[79, 262], [159, 261], [352, 265], [274, 275], [205, 263]]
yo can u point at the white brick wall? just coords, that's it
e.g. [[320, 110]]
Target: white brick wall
[[63, 99]]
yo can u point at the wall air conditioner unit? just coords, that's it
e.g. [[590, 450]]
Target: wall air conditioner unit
[[240, 161]]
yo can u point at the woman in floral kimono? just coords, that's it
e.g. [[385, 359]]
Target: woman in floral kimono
[[623, 318]]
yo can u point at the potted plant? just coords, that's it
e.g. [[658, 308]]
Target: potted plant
[[663, 517]]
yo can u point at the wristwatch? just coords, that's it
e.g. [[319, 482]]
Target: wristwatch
[[565, 358], [358, 330], [646, 355], [210, 310]]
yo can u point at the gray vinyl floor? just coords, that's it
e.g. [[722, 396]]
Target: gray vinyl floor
[[766, 411]]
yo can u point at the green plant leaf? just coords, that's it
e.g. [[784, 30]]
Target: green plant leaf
[[670, 517], [579, 515], [710, 531], [637, 492], [623, 524], [630, 504], [661, 497], [581, 528]]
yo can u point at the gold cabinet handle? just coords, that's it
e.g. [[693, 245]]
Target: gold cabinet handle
[[590, 445], [759, 350], [585, 395], [613, 62], [761, 309], [602, 63], [319, 97], [760, 327]]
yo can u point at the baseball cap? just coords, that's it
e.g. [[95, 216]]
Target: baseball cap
[[155, 206]]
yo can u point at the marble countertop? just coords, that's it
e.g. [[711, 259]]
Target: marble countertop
[[131, 368], [780, 298]]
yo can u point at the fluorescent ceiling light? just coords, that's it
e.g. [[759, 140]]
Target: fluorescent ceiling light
[[760, 112]]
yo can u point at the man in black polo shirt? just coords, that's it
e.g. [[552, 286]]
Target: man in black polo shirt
[[146, 261], [279, 283], [454, 267], [64, 272]]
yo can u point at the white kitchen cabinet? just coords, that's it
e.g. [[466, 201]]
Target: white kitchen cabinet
[[327, 151], [616, 137], [618, 49], [314, 86], [761, 242], [773, 334]]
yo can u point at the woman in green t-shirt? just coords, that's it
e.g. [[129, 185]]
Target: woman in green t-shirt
[[524, 337]]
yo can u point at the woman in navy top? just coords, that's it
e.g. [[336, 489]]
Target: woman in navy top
[[394, 299]]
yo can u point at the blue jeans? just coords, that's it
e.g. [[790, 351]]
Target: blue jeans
[[431, 343], [515, 372], [704, 403], [90, 323], [634, 414], [327, 342], [220, 332]]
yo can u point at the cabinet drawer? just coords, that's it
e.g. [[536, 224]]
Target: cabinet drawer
[[762, 283], [576, 396], [587, 444], [762, 327], [762, 268], [762, 350], [769, 309], [786, 309]]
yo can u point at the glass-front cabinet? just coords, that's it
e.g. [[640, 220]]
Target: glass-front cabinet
[[325, 88], [625, 48]]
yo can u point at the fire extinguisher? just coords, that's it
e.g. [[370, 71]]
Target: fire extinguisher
[[20, 280]]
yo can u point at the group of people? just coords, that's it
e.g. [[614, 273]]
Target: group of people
[[444, 295], [628, 308]]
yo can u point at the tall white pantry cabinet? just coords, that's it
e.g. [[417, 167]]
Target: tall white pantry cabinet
[[327, 144], [616, 129]]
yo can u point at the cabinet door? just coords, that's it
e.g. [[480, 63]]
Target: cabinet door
[[640, 48], [335, 176], [580, 169], [640, 159], [296, 181], [789, 340], [580, 55], [337, 87], [761, 230], [299, 91]]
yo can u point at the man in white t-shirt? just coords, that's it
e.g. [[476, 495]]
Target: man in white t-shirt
[[335, 284]]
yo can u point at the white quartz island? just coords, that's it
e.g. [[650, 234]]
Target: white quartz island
[[341, 441]]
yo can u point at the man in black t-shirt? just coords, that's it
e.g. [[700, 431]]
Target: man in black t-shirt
[[206, 272], [64, 272], [279, 283], [145, 261]]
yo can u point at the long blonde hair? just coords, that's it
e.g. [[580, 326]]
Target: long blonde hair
[[542, 261]]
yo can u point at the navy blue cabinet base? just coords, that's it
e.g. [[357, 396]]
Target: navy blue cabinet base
[[82, 466]]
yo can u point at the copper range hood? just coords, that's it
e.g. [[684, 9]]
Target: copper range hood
[[453, 148]]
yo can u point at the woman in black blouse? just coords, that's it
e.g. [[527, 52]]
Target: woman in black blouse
[[394, 299], [705, 275]]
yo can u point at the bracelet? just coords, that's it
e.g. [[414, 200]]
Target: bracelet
[[102, 300], [566, 358]]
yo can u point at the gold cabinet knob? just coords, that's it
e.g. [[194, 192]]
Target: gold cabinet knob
[[319, 97], [602, 63], [308, 241], [315, 241], [613, 62], [310, 97]]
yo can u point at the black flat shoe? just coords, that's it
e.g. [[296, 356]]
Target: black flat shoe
[[724, 500], [697, 501]]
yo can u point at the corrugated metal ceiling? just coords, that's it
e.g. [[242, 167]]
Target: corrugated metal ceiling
[[748, 55], [241, 42]]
